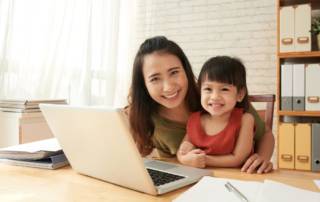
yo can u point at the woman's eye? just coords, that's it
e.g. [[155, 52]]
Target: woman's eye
[[174, 72], [154, 79]]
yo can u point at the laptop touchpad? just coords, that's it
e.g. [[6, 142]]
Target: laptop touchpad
[[159, 165]]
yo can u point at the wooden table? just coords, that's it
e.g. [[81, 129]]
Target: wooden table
[[32, 184]]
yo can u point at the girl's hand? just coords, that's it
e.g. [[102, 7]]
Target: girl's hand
[[257, 162], [195, 158], [185, 147]]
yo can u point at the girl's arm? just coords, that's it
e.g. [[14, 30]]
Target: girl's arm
[[189, 155], [242, 149], [185, 147]]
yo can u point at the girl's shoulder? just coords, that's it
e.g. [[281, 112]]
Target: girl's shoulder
[[196, 115], [247, 117]]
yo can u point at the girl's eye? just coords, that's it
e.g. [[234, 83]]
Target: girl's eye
[[225, 89], [207, 89]]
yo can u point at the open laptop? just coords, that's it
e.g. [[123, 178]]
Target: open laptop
[[98, 143]]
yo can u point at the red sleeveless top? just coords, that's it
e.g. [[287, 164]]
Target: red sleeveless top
[[220, 143]]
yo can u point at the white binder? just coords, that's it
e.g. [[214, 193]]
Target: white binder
[[312, 87], [286, 87], [302, 26], [287, 29], [298, 87]]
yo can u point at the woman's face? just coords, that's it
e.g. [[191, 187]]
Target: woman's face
[[165, 79]]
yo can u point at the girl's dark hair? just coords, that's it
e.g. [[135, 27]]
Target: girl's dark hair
[[141, 105], [229, 70]]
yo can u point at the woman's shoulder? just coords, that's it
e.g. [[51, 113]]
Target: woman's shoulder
[[167, 123], [126, 110]]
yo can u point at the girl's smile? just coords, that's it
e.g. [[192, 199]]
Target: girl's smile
[[219, 98]]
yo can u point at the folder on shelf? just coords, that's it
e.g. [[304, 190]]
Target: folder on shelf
[[302, 27], [303, 146], [298, 87], [315, 155], [312, 87], [286, 145], [286, 29], [286, 87]]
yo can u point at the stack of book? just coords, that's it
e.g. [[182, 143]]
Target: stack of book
[[39, 154], [25, 106]]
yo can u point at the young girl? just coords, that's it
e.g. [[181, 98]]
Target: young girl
[[163, 93], [221, 134]]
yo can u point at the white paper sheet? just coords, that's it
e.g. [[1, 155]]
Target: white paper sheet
[[317, 182], [278, 192], [210, 189]]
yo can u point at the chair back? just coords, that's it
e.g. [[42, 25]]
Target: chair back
[[267, 113]]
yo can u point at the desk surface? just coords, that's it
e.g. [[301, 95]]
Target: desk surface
[[32, 184]]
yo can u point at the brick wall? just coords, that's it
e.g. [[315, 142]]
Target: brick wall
[[206, 28]]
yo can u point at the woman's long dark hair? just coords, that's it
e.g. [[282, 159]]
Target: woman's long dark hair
[[229, 70], [141, 105]]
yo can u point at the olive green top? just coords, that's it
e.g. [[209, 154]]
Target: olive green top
[[168, 135]]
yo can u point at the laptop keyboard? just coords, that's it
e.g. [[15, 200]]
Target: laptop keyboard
[[160, 177]]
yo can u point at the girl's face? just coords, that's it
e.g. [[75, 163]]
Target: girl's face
[[165, 79], [219, 98]]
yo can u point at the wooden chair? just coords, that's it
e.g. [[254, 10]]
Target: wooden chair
[[267, 113]]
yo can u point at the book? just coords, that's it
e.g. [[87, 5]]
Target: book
[[40, 154], [52, 162], [32, 151], [19, 106], [23, 106], [31, 101], [214, 189], [19, 110]]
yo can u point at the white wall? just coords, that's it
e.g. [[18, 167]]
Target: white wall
[[206, 28]]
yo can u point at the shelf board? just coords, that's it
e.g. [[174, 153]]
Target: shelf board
[[314, 3], [299, 113], [306, 54]]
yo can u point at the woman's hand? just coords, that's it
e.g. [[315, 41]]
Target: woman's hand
[[257, 163]]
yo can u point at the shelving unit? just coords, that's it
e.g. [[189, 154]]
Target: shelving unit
[[304, 57]]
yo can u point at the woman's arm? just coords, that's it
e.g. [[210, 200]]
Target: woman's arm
[[242, 149], [260, 161]]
